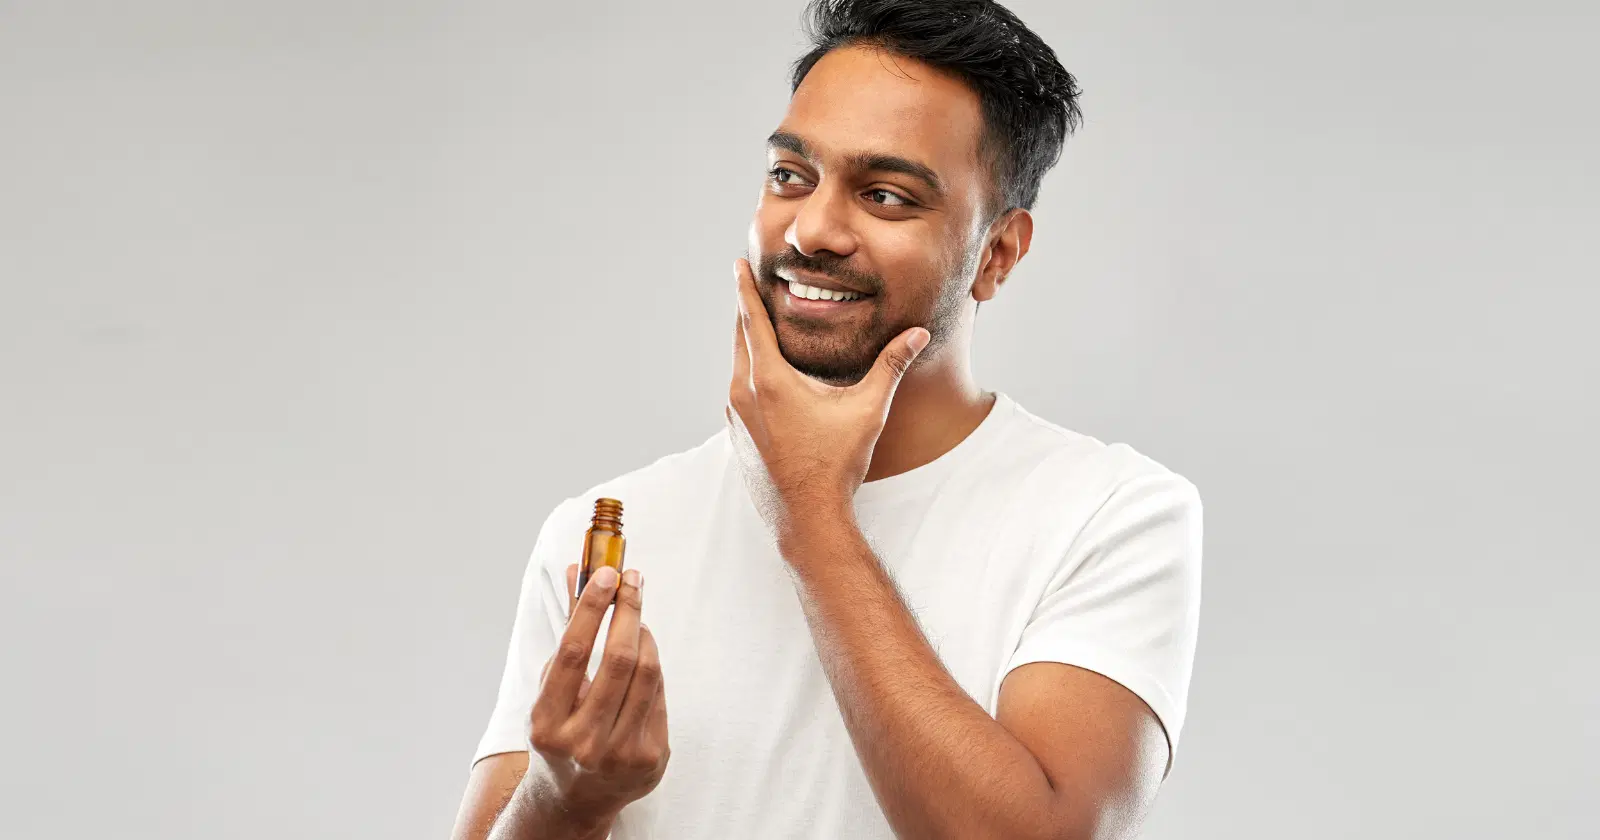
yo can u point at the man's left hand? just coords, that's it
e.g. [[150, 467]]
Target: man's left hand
[[803, 445]]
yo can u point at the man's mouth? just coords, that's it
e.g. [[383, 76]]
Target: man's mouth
[[801, 290], [805, 301], [822, 297]]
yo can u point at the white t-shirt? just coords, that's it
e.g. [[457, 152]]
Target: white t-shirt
[[1026, 542]]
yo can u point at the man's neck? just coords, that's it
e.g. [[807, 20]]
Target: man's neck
[[933, 410]]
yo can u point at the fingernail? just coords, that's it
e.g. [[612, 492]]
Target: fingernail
[[606, 578], [918, 341], [632, 578]]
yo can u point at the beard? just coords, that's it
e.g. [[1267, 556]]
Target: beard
[[843, 354]]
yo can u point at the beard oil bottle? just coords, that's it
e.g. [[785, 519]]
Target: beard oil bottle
[[603, 543]]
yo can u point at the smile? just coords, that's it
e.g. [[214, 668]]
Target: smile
[[803, 301], [801, 290]]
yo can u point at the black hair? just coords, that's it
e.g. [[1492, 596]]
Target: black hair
[[1029, 101]]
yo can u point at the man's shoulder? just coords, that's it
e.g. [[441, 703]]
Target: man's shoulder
[[1099, 493]]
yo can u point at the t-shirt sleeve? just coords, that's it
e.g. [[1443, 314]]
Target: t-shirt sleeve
[[540, 620], [1125, 600]]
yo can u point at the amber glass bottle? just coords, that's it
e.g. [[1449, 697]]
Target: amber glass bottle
[[603, 543]]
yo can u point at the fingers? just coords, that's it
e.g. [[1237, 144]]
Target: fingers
[[583, 688], [571, 661], [619, 661], [642, 691], [741, 353], [760, 340], [740, 387], [655, 727], [572, 601], [895, 360]]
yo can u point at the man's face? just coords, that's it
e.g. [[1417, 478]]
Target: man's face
[[874, 188]]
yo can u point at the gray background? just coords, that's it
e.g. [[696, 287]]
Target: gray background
[[312, 310]]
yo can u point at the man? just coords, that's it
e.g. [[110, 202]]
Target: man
[[883, 602]]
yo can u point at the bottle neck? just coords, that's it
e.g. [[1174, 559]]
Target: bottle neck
[[607, 516]]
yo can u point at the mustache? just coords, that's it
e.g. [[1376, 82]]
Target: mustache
[[828, 265]]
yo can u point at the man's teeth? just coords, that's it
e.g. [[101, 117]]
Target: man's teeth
[[814, 293]]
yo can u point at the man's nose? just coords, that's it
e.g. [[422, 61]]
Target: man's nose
[[823, 224]]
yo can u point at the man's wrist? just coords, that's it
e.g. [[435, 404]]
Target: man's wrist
[[559, 820], [809, 524]]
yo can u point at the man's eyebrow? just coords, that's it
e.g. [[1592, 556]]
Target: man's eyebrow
[[863, 161], [789, 143], [868, 162]]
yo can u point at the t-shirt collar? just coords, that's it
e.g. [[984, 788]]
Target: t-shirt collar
[[929, 476]]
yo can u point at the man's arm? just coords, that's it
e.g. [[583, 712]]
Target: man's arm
[[1070, 755], [490, 787], [494, 809]]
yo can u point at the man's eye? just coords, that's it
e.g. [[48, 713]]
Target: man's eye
[[778, 175], [887, 198]]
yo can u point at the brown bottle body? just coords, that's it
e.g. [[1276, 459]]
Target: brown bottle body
[[603, 543]]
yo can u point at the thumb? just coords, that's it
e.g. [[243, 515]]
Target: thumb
[[896, 359]]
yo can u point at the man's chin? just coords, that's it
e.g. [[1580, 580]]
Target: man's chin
[[831, 371], [824, 357]]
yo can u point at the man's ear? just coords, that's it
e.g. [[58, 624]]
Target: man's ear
[[1008, 241]]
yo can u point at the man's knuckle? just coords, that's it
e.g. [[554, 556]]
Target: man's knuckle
[[589, 756], [572, 655], [605, 761], [639, 761], [546, 739], [648, 671], [620, 663]]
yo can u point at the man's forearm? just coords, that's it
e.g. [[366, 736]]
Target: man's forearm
[[940, 766], [532, 815]]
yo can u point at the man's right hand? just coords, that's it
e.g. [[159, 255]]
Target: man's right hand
[[604, 745]]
